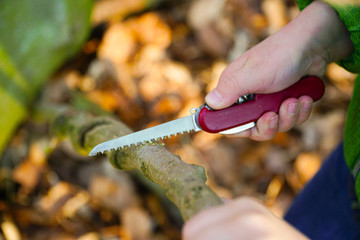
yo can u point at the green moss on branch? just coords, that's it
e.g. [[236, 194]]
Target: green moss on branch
[[184, 184]]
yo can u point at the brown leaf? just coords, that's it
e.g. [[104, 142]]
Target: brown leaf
[[137, 223], [179, 80], [118, 44], [114, 10], [112, 195], [153, 84], [90, 236], [167, 105], [275, 12], [341, 78], [27, 174], [29, 171], [9, 229], [306, 165], [75, 203], [57, 195], [274, 188], [205, 12], [106, 99], [151, 29]]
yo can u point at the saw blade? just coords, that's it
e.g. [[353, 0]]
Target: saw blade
[[168, 129]]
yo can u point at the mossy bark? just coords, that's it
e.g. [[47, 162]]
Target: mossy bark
[[184, 184]]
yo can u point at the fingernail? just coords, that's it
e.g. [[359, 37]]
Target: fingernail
[[307, 106], [273, 123], [214, 97], [292, 108]]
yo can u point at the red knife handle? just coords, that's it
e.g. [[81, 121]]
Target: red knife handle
[[215, 121]]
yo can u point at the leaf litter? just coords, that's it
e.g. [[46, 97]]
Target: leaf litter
[[145, 68]]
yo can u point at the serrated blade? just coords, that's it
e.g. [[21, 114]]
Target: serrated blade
[[168, 129]]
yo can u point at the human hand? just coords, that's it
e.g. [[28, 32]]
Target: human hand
[[304, 47], [243, 218]]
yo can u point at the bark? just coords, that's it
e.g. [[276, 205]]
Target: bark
[[184, 184]]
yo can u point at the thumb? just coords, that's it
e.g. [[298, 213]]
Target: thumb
[[230, 87]]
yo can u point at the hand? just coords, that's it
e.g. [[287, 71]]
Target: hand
[[243, 218], [304, 47]]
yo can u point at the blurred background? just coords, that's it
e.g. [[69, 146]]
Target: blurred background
[[145, 62]]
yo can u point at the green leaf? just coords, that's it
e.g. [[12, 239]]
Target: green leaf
[[36, 36]]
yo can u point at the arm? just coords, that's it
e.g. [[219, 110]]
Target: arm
[[304, 47]]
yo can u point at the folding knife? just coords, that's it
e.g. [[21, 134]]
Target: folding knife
[[240, 116]]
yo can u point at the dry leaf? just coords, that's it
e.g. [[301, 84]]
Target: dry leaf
[[277, 161], [341, 78], [222, 162], [90, 236], [179, 80], [111, 195], [56, 197], [27, 174], [167, 105], [118, 44], [114, 232], [274, 188], [307, 165], [146, 59], [114, 10], [216, 71], [153, 84], [275, 12], [29, 171], [137, 223], [75, 203], [205, 12], [9, 229], [106, 99], [151, 29]]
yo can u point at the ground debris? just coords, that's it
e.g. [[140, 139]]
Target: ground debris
[[146, 67]]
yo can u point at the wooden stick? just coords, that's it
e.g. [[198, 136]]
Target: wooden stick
[[184, 184]]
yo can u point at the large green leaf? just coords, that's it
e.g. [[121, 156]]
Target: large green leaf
[[36, 36]]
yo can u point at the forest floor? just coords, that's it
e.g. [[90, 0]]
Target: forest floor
[[146, 68]]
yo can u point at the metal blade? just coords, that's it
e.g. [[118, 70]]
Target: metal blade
[[178, 126], [238, 128]]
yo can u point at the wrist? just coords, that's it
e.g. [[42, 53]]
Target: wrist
[[322, 37], [331, 36], [331, 40]]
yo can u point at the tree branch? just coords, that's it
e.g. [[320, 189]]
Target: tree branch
[[184, 184]]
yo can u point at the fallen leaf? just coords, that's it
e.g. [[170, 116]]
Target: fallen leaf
[[274, 188], [137, 223], [106, 99], [167, 105], [9, 229], [29, 171], [75, 203], [118, 44], [90, 236], [341, 78], [275, 13], [307, 165], [114, 10], [112, 195], [151, 29], [204, 12], [57, 195]]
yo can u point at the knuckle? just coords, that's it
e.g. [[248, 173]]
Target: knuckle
[[229, 80]]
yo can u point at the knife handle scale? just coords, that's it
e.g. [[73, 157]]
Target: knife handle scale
[[215, 121]]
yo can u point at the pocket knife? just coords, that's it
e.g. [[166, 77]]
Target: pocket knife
[[240, 116]]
